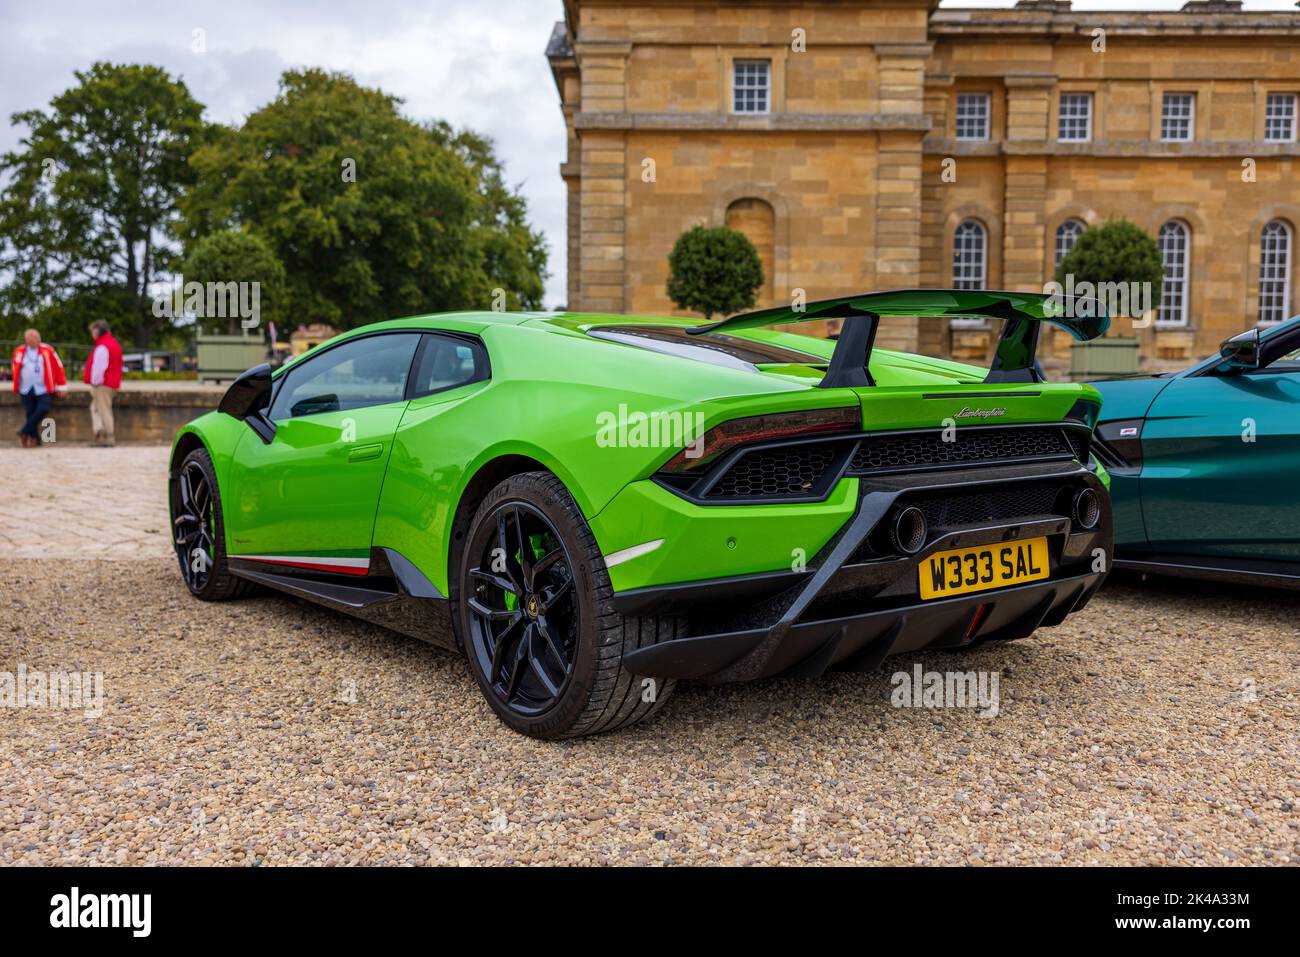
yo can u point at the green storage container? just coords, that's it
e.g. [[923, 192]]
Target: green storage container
[[1103, 358], [222, 358]]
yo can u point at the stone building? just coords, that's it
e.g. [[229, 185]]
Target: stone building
[[874, 144]]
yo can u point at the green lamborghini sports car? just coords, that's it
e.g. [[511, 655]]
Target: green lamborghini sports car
[[591, 507], [1204, 463]]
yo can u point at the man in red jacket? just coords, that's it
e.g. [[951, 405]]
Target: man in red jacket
[[38, 375], [104, 376]]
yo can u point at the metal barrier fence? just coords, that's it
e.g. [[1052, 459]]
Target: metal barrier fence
[[73, 355]]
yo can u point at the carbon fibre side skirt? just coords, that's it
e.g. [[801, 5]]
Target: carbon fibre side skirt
[[393, 594]]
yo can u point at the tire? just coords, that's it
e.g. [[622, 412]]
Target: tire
[[565, 612], [201, 546]]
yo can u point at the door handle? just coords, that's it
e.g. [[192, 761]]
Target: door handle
[[364, 453]]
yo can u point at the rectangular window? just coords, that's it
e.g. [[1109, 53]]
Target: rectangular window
[[1075, 123], [1279, 118], [751, 86], [973, 116], [1178, 119]]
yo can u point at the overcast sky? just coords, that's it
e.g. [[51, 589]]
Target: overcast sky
[[476, 63]]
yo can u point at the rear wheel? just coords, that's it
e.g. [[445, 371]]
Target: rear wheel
[[198, 531], [536, 612]]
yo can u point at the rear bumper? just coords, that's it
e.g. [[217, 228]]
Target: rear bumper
[[854, 606], [862, 642]]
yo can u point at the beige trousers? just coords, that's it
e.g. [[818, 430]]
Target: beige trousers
[[101, 410]]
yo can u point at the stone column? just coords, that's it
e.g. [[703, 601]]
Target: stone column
[[571, 172], [1025, 182], [603, 171], [1025, 250], [898, 182]]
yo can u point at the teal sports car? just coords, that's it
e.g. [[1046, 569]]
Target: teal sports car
[[1204, 463], [592, 507]]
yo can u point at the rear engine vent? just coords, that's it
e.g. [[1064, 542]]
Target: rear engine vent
[[994, 506], [796, 470], [925, 450]]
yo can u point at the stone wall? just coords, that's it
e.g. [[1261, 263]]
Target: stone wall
[[1031, 182], [145, 416]]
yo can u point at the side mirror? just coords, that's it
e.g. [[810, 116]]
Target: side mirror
[[1241, 351], [248, 393], [248, 398]]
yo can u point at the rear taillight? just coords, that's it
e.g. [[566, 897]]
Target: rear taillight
[[1085, 412], [763, 428]]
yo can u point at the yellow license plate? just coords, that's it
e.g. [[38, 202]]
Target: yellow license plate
[[965, 570]]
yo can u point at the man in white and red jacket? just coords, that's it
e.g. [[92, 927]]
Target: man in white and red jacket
[[104, 376], [38, 375]]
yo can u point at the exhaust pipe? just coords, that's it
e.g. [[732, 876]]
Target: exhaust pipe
[[1087, 508], [910, 530]]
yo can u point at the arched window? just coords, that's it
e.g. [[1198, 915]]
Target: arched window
[[969, 262], [757, 220], [1175, 251], [1275, 272], [1067, 234], [969, 255]]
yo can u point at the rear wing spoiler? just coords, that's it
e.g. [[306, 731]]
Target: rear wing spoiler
[[1022, 314]]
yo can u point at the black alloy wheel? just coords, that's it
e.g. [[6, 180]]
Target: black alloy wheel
[[193, 525], [523, 610]]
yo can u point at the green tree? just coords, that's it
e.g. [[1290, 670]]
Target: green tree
[[1117, 251], [235, 255], [372, 215], [714, 271], [513, 253], [67, 319], [91, 193]]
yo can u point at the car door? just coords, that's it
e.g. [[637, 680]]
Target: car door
[[308, 497], [439, 437], [1221, 456]]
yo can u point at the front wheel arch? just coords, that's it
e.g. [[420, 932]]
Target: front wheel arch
[[489, 475], [186, 444]]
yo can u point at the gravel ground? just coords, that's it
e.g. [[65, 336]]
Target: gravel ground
[[1161, 725]]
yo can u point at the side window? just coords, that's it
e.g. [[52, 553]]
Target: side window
[[447, 362], [1288, 361], [368, 371]]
